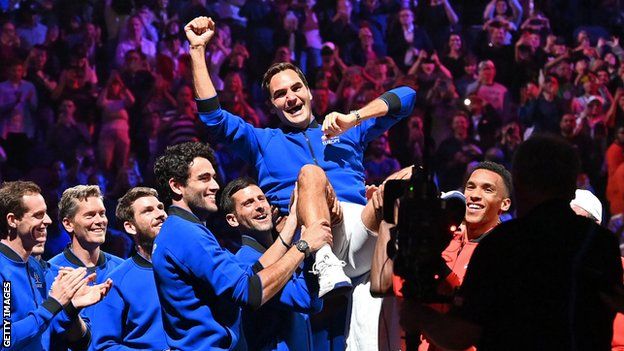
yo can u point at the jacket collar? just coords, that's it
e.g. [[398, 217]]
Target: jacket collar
[[253, 243], [10, 254], [141, 261], [69, 255], [184, 214], [290, 129]]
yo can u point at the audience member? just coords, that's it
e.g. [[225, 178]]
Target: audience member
[[406, 39], [544, 113], [135, 40], [492, 92], [66, 134], [454, 154], [18, 97], [114, 140], [378, 164], [438, 18]]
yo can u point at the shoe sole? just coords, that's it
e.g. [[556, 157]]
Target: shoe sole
[[339, 289]]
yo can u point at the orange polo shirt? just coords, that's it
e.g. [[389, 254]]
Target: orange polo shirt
[[457, 255]]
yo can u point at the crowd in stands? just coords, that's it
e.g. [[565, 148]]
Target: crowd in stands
[[91, 92]]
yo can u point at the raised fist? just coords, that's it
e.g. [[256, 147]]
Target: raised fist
[[199, 31]]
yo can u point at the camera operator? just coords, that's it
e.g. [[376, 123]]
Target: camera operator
[[535, 282], [487, 194]]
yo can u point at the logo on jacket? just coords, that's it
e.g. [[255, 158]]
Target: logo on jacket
[[38, 281], [331, 141]]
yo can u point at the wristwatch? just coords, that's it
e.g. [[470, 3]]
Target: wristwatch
[[303, 246]]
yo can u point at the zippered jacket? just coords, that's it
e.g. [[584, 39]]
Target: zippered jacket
[[277, 154]]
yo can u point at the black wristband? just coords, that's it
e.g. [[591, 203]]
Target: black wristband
[[283, 242], [71, 310]]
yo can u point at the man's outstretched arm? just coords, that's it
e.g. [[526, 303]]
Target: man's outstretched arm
[[336, 123], [199, 31], [398, 101]]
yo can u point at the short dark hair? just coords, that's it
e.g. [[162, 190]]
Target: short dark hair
[[550, 77], [461, 113], [135, 51], [124, 211], [501, 171], [279, 67], [11, 194], [175, 164], [547, 164], [15, 62], [40, 47], [226, 204]]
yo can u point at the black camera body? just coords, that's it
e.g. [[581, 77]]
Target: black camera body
[[424, 228]]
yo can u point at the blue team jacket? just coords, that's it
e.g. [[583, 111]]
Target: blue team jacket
[[201, 286], [129, 316], [38, 322], [283, 323], [106, 263], [279, 154]]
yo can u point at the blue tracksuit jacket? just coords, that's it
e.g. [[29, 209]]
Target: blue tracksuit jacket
[[279, 154], [284, 322], [106, 263], [129, 316], [201, 286], [37, 322]]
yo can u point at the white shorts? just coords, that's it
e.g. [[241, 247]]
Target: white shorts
[[355, 244]]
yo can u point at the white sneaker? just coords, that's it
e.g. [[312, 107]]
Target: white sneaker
[[331, 276]]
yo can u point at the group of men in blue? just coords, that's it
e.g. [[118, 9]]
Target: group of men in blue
[[46, 306], [182, 290]]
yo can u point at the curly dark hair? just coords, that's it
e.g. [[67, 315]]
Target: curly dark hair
[[175, 164]]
